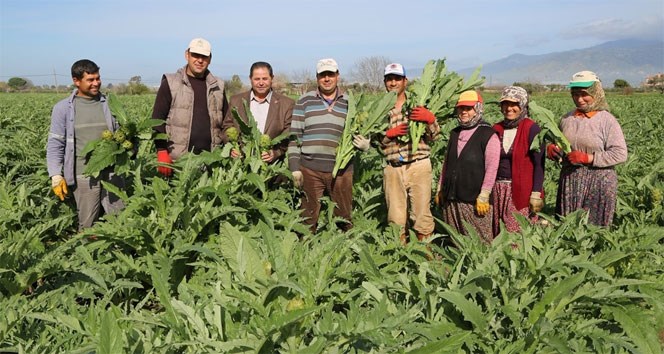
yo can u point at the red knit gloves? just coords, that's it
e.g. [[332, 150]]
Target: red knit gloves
[[164, 158], [553, 152], [399, 130], [579, 158], [421, 114]]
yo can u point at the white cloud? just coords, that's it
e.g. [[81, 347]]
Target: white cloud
[[650, 27]]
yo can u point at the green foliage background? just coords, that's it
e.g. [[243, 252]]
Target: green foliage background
[[209, 260]]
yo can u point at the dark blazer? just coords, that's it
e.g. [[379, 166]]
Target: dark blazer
[[278, 118]]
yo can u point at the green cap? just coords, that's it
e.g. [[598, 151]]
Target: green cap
[[583, 79]]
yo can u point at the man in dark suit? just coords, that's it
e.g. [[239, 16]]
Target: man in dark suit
[[271, 110]]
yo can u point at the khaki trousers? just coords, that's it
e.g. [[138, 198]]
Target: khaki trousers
[[91, 196], [409, 184], [340, 189]]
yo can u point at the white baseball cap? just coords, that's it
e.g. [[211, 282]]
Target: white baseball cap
[[328, 64], [395, 69], [200, 46]]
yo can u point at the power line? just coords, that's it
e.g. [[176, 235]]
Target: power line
[[55, 75], [37, 75]]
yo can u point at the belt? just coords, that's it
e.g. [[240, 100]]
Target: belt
[[402, 163]]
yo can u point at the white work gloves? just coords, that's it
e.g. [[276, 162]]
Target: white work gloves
[[298, 179], [361, 143], [536, 203]]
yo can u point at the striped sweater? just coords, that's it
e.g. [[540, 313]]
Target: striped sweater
[[317, 127]]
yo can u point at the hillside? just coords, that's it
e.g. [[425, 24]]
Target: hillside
[[629, 59]]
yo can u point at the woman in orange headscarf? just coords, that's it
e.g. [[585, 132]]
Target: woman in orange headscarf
[[469, 170]]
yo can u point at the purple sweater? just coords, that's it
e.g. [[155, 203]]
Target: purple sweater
[[600, 135]]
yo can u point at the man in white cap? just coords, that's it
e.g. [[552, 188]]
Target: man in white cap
[[192, 104], [318, 122], [407, 175]]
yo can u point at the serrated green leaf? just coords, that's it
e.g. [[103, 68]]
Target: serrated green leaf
[[110, 335], [372, 290], [240, 253], [554, 293], [256, 181], [161, 285], [635, 325], [95, 277], [102, 157], [470, 311], [550, 127], [452, 344]]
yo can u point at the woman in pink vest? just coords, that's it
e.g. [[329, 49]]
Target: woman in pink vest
[[520, 176]]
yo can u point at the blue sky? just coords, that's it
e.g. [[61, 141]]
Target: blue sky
[[148, 37]]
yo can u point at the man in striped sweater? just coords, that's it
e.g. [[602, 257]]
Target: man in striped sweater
[[317, 124]]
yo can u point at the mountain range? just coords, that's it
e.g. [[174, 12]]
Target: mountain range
[[628, 59]]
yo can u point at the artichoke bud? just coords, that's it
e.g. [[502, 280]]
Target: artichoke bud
[[295, 304], [119, 136], [232, 134], [657, 196], [107, 135], [266, 142]]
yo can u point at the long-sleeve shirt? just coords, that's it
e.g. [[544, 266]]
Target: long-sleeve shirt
[[598, 134], [61, 144], [396, 151], [199, 138], [317, 126], [505, 165]]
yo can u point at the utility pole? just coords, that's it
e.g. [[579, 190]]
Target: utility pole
[[55, 79]]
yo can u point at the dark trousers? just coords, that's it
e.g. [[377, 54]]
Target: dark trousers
[[340, 190]]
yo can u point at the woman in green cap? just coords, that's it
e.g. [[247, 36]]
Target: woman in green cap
[[588, 179]]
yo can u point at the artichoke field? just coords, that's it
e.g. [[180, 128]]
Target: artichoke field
[[216, 260]]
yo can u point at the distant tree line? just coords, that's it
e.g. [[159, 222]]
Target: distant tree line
[[365, 76]]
